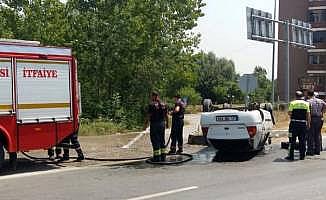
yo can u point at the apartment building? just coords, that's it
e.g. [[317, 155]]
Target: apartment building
[[307, 67]]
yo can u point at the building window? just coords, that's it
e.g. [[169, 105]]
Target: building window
[[319, 36], [317, 16], [317, 59]]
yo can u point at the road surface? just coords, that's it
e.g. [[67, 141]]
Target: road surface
[[263, 176]]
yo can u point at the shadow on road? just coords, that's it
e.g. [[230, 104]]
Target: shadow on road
[[233, 156], [26, 165]]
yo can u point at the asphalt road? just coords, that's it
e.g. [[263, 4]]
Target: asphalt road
[[263, 176]]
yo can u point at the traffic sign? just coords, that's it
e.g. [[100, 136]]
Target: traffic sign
[[259, 25], [248, 83]]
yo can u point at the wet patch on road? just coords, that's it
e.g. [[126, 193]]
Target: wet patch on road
[[210, 154]]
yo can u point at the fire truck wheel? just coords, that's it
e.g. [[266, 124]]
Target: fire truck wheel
[[2, 154], [13, 160]]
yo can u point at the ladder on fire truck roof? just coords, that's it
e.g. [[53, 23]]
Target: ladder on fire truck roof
[[20, 42], [31, 47]]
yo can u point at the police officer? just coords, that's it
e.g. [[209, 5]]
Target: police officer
[[157, 115], [317, 108], [73, 139], [177, 125], [299, 113]]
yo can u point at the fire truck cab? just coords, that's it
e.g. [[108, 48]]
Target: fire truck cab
[[39, 101]]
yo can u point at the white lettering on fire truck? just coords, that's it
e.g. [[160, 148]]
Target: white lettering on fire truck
[[4, 72], [40, 73]]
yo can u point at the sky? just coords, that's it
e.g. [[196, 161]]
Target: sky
[[223, 31]]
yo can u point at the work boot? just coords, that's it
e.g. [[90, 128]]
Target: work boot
[[172, 151], [302, 156], [51, 154], [51, 157], [80, 155], [65, 155], [309, 153], [58, 152], [180, 150], [163, 157], [289, 158], [155, 159]]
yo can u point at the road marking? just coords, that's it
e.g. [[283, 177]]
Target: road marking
[[53, 171], [280, 130], [127, 146], [164, 193], [29, 174]]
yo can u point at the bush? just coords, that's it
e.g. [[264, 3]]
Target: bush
[[193, 97], [100, 127]]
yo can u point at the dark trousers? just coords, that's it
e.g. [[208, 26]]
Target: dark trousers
[[177, 134], [298, 130], [157, 135], [57, 151], [73, 139], [314, 136]]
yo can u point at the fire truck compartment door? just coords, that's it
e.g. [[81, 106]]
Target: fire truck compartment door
[[6, 97], [43, 90]]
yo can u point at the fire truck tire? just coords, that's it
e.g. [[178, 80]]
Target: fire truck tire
[[2, 154], [13, 160]]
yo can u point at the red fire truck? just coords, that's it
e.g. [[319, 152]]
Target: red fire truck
[[39, 98]]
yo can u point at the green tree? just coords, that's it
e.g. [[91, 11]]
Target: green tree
[[41, 20], [130, 48], [264, 90], [125, 48], [217, 78]]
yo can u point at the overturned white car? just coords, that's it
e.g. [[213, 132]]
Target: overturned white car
[[237, 131]]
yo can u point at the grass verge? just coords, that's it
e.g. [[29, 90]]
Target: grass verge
[[101, 127]]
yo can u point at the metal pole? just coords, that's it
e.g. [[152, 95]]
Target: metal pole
[[247, 92], [273, 58], [287, 64]]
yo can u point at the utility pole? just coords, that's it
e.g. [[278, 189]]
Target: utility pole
[[273, 57], [287, 60]]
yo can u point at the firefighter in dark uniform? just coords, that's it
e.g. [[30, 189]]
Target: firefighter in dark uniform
[[73, 139], [157, 115], [299, 112], [317, 108], [57, 151], [177, 126]]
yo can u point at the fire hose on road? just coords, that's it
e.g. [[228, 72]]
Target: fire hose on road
[[171, 159]]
